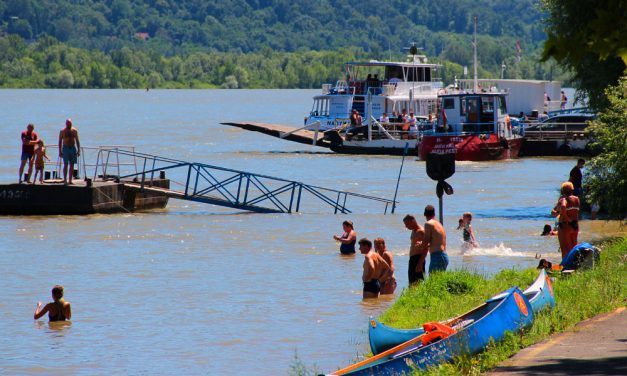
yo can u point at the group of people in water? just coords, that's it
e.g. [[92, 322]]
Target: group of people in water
[[428, 239], [34, 153]]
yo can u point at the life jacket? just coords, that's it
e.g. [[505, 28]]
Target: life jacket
[[435, 331]]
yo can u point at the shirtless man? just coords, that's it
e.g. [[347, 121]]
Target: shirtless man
[[417, 255], [69, 150], [375, 269], [435, 241]]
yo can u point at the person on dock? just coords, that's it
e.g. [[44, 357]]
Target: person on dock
[[434, 241], [563, 100], [576, 177], [567, 208], [29, 140], [58, 310], [40, 155], [347, 239], [375, 270], [416, 267], [69, 150], [389, 285], [468, 234]]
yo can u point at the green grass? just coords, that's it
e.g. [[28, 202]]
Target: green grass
[[579, 296]]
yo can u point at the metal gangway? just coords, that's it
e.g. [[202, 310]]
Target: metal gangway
[[218, 185]]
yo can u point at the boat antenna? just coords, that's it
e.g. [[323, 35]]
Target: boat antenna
[[474, 45]]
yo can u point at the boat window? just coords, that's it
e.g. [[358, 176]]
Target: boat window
[[427, 74], [448, 103], [487, 105], [502, 106], [393, 72]]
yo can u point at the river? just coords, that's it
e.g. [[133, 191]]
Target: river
[[208, 290]]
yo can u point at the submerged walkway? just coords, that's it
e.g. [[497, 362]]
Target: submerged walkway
[[597, 346]]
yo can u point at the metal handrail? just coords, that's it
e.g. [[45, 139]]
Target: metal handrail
[[251, 189]]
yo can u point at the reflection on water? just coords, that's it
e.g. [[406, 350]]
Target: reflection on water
[[215, 291]]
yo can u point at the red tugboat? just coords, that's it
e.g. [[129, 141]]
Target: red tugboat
[[474, 126]]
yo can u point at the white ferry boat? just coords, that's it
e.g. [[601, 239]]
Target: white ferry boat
[[372, 89]]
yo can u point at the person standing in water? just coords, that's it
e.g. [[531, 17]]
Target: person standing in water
[[468, 234], [58, 310], [416, 267], [375, 270], [347, 239], [434, 241], [389, 285]]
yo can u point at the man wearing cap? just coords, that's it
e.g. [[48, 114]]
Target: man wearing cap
[[29, 140], [69, 150]]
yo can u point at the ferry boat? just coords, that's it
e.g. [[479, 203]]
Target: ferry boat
[[475, 126], [373, 88]]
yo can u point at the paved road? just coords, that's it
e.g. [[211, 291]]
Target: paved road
[[597, 346]]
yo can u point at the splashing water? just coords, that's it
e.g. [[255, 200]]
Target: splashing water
[[497, 250]]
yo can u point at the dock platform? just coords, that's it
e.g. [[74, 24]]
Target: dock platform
[[55, 198]]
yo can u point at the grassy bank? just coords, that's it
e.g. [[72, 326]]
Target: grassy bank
[[578, 297]]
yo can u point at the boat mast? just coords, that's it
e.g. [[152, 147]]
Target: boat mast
[[474, 45]]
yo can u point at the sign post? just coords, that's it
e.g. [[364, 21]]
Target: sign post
[[441, 166]]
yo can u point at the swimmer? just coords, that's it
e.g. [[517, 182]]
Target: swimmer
[[468, 234], [58, 310], [548, 231], [348, 238], [375, 270], [389, 285]]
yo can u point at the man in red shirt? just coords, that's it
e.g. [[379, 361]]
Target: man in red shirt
[[29, 140]]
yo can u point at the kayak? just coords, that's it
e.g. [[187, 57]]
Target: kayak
[[383, 337], [469, 334]]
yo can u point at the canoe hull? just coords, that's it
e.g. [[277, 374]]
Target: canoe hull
[[383, 337], [509, 311]]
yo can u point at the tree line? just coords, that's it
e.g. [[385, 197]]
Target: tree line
[[48, 63]]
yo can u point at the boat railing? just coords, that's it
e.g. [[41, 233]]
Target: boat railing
[[403, 88], [542, 133], [315, 126], [377, 131], [381, 128]]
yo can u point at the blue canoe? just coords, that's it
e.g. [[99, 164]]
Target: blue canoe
[[508, 311], [383, 337]]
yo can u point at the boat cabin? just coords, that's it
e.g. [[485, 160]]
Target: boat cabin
[[375, 87], [473, 113]]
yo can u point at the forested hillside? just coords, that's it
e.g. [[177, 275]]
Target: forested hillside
[[128, 32]]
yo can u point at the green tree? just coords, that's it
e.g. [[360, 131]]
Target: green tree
[[607, 173], [588, 37]]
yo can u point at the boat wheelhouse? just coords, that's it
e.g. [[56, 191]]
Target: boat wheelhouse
[[475, 126], [376, 87]]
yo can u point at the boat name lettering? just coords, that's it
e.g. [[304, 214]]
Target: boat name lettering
[[444, 149], [14, 195]]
